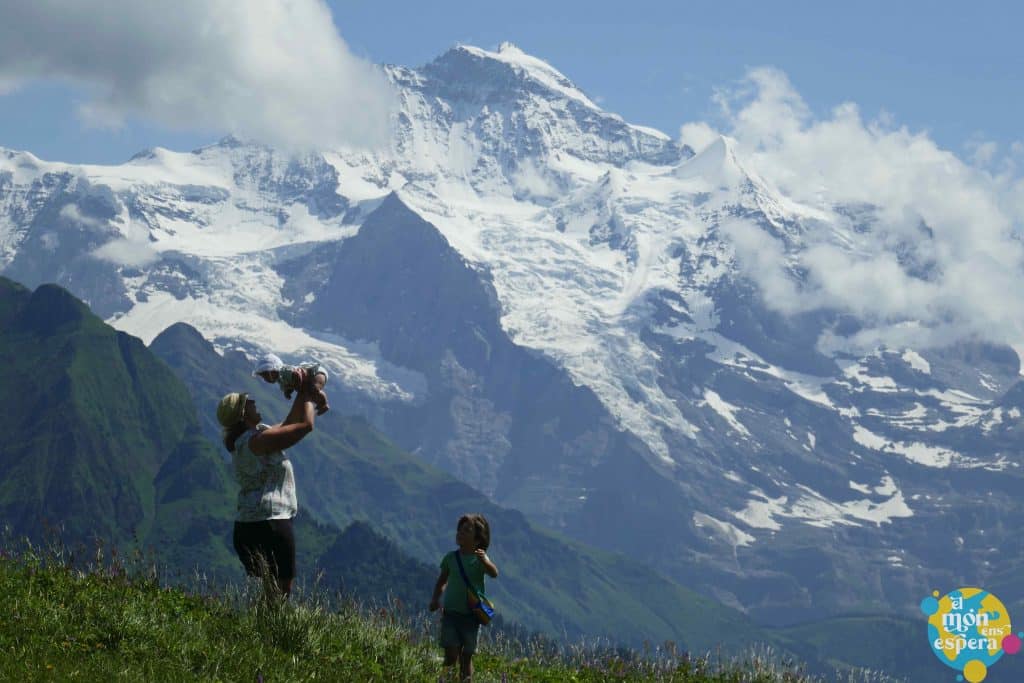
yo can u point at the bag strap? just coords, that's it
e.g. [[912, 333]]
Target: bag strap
[[465, 579]]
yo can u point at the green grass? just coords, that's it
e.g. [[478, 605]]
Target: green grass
[[99, 620]]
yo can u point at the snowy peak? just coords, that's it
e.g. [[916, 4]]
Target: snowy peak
[[14, 157], [481, 111], [737, 191], [525, 67], [719, 166], [21, 167], [716, 164]]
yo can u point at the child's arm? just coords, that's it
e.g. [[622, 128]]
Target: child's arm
[[490, 568], [442, 581]]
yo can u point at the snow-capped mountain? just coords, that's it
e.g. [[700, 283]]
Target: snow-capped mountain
[[546, 300]]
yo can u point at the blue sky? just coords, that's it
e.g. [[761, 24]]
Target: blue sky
[[946, 68]]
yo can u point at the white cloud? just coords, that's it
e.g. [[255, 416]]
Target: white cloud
[[134, 249], [983, 152], [72, 213], [127, 252], [697, 135], [273, 70], [764, 258], [943, 259]]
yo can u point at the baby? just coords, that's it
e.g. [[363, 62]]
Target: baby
[[308, 376]]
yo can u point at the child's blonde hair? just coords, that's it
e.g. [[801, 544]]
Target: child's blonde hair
[[481, 529]]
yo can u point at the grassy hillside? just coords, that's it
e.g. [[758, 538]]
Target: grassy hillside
[[103, 624]]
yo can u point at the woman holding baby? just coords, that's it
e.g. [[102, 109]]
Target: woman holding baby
[[263, 536]]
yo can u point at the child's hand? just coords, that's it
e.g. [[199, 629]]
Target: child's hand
[[320, 398], [489, 567], [434, 605]]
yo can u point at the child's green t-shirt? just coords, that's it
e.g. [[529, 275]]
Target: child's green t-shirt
[[455, 598]]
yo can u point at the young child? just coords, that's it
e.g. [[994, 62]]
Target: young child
[[309, 376], [459, 627]]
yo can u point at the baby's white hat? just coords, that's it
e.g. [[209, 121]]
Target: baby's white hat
[[266, 363]]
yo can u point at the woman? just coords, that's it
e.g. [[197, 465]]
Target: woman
[[263, 536]]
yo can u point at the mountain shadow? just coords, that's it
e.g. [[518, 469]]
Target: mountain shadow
[[499, 416]]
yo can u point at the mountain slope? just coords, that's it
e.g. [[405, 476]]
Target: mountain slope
[[103, 438]]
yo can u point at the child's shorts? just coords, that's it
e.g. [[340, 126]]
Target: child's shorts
[[459, 630]]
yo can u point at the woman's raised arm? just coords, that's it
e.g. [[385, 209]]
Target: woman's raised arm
[[298, 424]]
